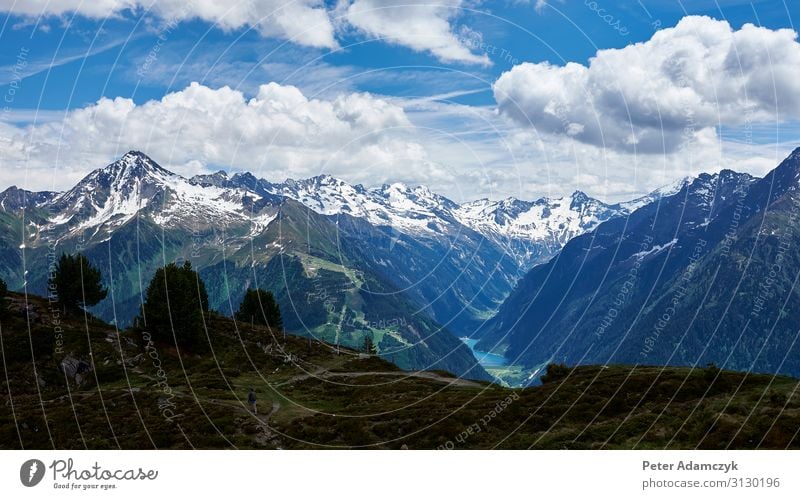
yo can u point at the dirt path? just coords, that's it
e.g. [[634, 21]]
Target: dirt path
[[324, 374], [267, 437]]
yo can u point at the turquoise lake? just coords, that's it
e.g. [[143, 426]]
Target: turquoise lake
[[486, 359]]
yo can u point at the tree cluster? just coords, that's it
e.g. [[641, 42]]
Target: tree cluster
[[175, 305], [260, 307]]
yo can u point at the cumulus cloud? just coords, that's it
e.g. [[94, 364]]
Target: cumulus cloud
[[278, 133], [305, 22], [422, 26], [464, 152], [661, 94], [687, 80]]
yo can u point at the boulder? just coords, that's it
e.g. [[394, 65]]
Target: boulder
[[74, 369]]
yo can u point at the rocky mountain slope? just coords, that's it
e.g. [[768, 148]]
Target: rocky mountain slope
[[706, 275], [341, 258], [133, 216]]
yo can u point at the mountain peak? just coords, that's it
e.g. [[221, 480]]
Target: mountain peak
[[218, 179], [245, 180], [782, 179], [326, 179], [135, 154], [132, 166], [580, 197], [14, 198], [792, 161]]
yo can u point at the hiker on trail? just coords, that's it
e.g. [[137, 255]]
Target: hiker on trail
[[251, 399]]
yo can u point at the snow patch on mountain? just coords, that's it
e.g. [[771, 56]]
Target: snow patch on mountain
[[112, 196], [528, 231], [668, 190], [654, 250], [547, 222], [412, 210]]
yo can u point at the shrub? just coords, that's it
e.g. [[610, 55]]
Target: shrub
[[555, 372]]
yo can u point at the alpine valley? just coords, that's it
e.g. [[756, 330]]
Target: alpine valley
[[705, 276], [703, 271], [412, 268]]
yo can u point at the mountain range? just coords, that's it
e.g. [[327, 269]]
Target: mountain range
[[411, 267], [706, 275], [675, 277]]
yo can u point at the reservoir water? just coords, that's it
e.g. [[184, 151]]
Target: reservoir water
[[486, 359]]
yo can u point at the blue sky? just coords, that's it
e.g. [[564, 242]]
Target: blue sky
[[442, 68]]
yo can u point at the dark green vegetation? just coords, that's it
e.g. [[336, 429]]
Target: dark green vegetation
[[369, 345], [140, 392], [175, 303], [259, 307], [78, 282], [3, 294], [706, 275]]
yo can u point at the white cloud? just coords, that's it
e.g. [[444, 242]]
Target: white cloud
[[278, 133], [305, 22], [660, 95], [464, 152], [423, 26], [420, 26]]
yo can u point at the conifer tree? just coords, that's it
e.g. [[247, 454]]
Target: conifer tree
[[175, 302], [77, 283], [260, 307], [369, 345]]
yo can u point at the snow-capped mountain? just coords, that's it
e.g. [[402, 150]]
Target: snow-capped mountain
[[412, 210], [661, 192], [529, 232], [534, 231], [630, 291], [340, 254], [458, 261], [110, 197], [131, 216], [14, 199]]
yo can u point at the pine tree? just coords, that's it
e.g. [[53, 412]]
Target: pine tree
[[175, 302], [77, 283], [369, 345], [3, 294], [259, 307]]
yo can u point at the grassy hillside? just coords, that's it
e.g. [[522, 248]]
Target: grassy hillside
[[145, 395]]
